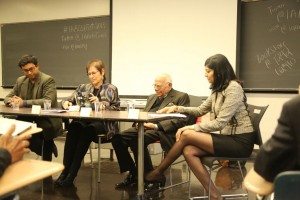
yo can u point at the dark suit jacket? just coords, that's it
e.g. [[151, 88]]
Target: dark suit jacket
[[5, 160], [168, 128], [44, 88], [282, 151], [173, 98]]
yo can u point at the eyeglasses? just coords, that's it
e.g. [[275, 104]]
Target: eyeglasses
[[92, 73], [156, 86], [30, 69]]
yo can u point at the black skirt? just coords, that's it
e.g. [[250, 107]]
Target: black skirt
[[237, 145]]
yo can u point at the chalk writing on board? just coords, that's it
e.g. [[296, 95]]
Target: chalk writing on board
[[75, 37], [277, 58], [285, 19]]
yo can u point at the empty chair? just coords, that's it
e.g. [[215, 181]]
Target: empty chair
[[287, 185]]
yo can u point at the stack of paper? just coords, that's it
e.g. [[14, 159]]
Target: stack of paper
[[21, 126]]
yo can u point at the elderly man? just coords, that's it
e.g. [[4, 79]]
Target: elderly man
[[32, 89], [164, 131]]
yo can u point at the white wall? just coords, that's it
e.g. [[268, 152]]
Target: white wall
[[177, 43], [150, 37]]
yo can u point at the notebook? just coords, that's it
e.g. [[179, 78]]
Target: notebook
[[21, 126]]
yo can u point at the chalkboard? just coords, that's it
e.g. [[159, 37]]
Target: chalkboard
[[63, 48], [270, 45]]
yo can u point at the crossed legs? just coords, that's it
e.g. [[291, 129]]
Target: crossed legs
[[193, 145]]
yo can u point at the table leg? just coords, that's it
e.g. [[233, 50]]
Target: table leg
[[140, 160]]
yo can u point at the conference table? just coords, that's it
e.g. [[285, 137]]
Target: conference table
[[25, 172], [105, 115]]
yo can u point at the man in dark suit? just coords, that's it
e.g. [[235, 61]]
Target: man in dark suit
[[282, 151], [163, 131], [32, 89]]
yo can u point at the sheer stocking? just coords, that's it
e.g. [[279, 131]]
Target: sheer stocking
[[188, 137], [191, 155]]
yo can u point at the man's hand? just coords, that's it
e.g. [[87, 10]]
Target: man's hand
[[150, 126], [170, 109], [16, 100], [16, 146]]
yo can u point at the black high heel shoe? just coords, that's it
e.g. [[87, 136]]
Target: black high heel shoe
[[155, 184]]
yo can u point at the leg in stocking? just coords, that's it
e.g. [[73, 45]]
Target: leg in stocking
[[188, 137], [172, 155], [192, 156]]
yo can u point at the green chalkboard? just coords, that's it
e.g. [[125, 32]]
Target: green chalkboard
[[63, 48], [270, 45]]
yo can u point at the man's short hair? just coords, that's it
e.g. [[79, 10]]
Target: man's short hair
[[27, 59]]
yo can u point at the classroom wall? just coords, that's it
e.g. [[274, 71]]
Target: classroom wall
[[188, 77]]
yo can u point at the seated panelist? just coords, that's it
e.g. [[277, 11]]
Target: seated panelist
[[163, 131], [82, 132], [227, 106], [32, 89]]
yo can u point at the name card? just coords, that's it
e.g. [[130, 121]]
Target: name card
[[133, 113], [74, 108], [85, 111], [36, 109]]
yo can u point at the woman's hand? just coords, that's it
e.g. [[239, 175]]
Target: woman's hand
[[181, 131], [93, 98], [66, 105], [170, 109]]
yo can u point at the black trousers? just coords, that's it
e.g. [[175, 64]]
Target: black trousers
[[129, 138], [38, 143], [79, 137]]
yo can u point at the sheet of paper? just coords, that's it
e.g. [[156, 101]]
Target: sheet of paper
[[21, 126], [54, 111], [155, 115]]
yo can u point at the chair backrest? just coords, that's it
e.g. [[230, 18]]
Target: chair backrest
[[196, 100], [256, 113], [287, 185]]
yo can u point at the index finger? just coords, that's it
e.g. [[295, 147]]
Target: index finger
[[24, 136], [10, 130]]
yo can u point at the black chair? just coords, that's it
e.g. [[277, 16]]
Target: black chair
[[211, 162], [287, 185]]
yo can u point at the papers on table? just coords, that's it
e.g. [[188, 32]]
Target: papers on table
[[156, 115], [21, 126], [54, 111]]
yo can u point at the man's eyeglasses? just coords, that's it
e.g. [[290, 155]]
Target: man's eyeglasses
[[157, 86], [31, 69]]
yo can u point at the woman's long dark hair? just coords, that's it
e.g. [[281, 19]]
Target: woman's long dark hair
[[223, 72]]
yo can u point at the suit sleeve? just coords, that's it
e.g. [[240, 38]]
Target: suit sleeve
[[12, 93], [174, 124], [5, 160], [275, 155]]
